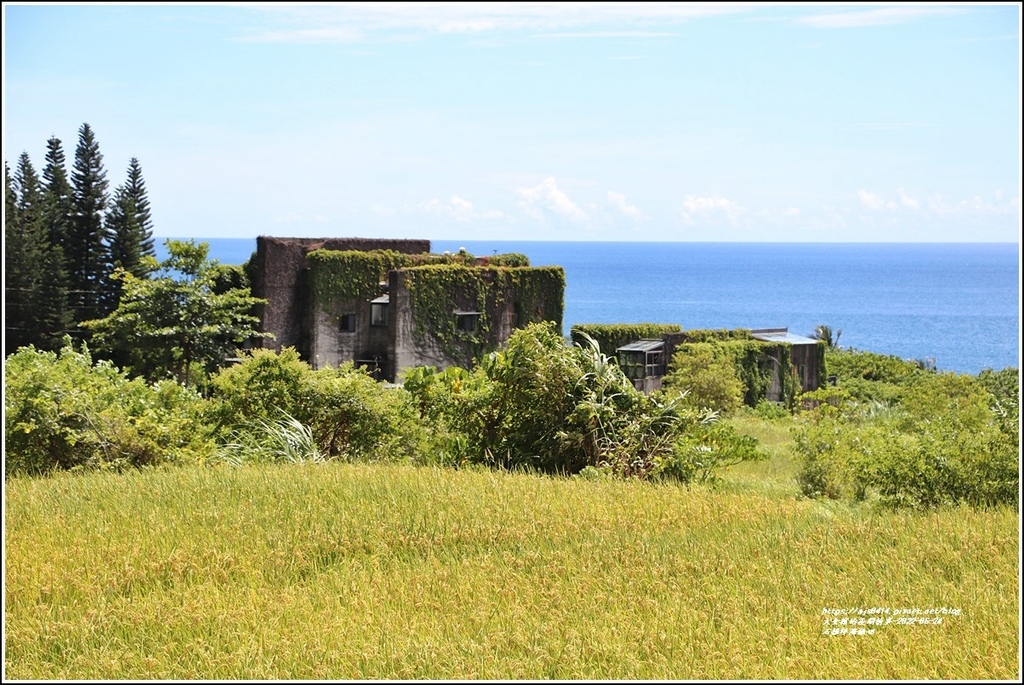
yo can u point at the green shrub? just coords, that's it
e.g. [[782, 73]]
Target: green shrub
[[771, 411], [703, 378], [261, 387], [61, 411], [706, 448], [942, 444], [541, 404], [351, 416]]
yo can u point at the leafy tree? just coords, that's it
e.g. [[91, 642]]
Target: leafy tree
[[85, 250], [165, 324]]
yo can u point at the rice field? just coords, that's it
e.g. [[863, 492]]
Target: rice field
[[338, 571]]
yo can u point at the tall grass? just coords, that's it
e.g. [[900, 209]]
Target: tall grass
[[337, 571]]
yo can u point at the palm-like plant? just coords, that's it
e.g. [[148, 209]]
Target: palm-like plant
[[824, 333]]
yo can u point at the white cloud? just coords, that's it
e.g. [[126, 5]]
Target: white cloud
[[937, 204], [618, 202], [548, 196], [906, 200], [875, 17], [704, 208], [870, 200], [459, 209], [356, 22]]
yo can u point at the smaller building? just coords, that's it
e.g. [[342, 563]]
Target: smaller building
[[644, 363], [804, 359], [788, 361]]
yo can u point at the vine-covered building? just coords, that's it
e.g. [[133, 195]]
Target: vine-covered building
[[773, 363], [389, 305]]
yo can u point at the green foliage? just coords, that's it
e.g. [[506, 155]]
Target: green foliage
[[698, 335], [437, 290], [847, 364], [771, 411], [164, 324], [1004, 390], [61, 411], [943, 443], [704, 379], [351, 274], [755, 364], [541, 404], [610, 337], [286, 440], [351, 416], [507, 259], [706, 448]]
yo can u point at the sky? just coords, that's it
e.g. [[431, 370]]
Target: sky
[[537, 121]]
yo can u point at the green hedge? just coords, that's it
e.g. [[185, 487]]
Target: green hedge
[[611, 337]]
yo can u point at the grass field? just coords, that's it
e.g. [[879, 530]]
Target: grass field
[[337, 571]]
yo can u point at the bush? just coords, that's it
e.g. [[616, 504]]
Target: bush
[[541, 404], [705, 380], [942, 444], [61, 411], [350, 415]]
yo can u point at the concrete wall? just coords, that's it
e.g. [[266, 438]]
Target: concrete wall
[[280, 276]]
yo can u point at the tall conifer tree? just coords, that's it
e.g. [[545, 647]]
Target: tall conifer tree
[[124, 238], [135, 187], [87, 255], [58, 214], [17, 277], [24, 247]]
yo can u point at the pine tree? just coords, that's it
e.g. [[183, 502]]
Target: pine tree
[[124, 238], [87, 255], [136, 190], [58, 213], [17, 279], [24, 244]]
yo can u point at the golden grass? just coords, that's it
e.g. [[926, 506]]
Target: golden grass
[[392, 572]]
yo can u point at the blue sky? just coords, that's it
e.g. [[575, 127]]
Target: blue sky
[[537, 121]]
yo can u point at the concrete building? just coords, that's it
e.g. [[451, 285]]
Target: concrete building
[[389, 305], [645, 361]]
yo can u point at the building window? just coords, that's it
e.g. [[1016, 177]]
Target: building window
[[467, 321], [347, 323], [379, 314]]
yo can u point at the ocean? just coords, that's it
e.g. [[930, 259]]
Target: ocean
[[954, 303]]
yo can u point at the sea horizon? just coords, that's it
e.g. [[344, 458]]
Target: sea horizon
[[955, 304]]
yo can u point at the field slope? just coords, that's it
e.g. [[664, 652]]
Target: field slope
[[337, 571]]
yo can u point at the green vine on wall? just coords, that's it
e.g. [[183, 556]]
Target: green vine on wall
[[611, 336], [755, 362], [351, 274], [439, 290]]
